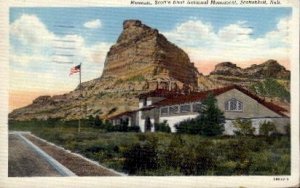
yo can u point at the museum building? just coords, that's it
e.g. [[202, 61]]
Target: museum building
[[162, 105]]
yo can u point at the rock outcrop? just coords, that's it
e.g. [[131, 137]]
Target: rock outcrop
[[143, 51], [268, 69], [255, 78]]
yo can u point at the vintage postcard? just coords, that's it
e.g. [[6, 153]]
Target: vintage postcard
[[150, 93]]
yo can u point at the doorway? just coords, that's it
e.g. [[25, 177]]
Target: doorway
[[148, 124]]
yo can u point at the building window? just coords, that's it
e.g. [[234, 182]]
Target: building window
[[233, 105], [173, 109], [196, 107], [145, 102], [164, 111], [185, 108]]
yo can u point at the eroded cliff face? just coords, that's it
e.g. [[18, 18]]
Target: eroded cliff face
[[143, 51], [141, 60]]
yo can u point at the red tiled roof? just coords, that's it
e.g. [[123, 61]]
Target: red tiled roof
[[122, 114], [193, 97], [215, 92], [160, 93], [133, 111]]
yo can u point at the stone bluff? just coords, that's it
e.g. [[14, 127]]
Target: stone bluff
[[141, 50]]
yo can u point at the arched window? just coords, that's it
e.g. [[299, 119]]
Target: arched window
[[234, 105]]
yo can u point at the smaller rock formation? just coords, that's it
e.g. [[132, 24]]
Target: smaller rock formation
[[268, 69], [228, 69]]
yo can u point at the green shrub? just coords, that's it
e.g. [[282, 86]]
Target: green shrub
[[266, 163], [244, 127], [198, 159], [174, 154], [162, 127], [188, 126], [118, 128], [227, 168], [190, 158], [267, 128], [98, 122], [140, 157], [123, 127], [134, 129]]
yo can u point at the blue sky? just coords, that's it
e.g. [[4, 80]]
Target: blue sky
[[209, 36], [261, 19]]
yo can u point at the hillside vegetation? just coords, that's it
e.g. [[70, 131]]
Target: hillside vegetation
[[271, 88]]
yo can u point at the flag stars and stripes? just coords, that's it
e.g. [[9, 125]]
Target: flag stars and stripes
[[75, 69]]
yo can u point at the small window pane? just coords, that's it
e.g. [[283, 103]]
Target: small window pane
[[164, 111], [233, 104], [196, 107], [239, 106], [185, 108], [173, 109]]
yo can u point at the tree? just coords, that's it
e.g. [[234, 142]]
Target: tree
[[244, 127], [98, 121], [91, 121], [209, 122], [266, 128], [211, 118]]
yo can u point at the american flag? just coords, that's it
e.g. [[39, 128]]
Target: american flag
[[74, 70]]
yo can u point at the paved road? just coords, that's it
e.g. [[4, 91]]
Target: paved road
[[23, 161], [79, 165], [32, 156]]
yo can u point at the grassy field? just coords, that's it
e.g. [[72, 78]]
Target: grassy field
[[168, 154]]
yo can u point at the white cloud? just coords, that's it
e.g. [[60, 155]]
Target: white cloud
[[33, 54], [192, 33], [232, 42], [234, 32], [93, 24], [31, 32]]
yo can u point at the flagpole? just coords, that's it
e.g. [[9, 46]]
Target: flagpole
[[79, 122]]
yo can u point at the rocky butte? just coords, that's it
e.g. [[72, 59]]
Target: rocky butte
[[268, 69], [141, 60], [143, 51], [269, 80]]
